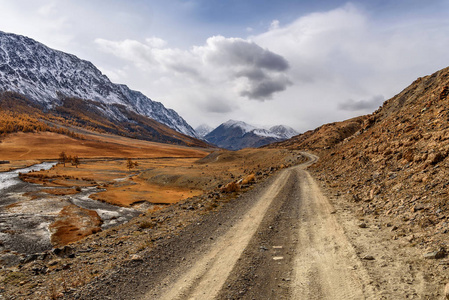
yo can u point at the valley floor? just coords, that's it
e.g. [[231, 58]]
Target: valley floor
[[282, 240], [286, 238]]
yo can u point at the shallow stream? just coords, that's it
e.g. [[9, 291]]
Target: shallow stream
[[24, 221]]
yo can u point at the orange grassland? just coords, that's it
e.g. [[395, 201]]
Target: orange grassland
[[165, 173], [103, 164], [47, 146]]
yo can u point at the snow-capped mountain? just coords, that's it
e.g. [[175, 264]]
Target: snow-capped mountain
[[235, 135], [284, 132], [203, 130], [46, 76]]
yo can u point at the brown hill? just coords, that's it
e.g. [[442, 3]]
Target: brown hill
[[26, 116], [324, 137], [393, 164]]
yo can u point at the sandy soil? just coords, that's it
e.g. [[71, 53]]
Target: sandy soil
[[326, 265]]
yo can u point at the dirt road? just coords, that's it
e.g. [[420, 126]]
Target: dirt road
[[281, 240], [287, 245]]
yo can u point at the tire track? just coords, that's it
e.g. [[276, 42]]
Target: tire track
[[207, 276], [326, 265]]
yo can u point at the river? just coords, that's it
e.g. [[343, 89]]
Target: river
[[24, 220], [11, 178]]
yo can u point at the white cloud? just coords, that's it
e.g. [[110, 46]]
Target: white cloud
[[274, 24], [156, 42], [362, 105], [345, 54], [322, 67], [139, 53], [213, 77], [308, 68]]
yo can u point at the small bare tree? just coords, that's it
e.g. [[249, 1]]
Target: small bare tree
[[63, 158], [75, 161], [131, 164]]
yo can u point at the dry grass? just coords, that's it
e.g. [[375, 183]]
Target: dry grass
[[72, 224], [127, 194], [122, 187], [48, 145], [231, 187], [165, 174]]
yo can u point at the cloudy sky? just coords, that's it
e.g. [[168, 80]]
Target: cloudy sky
[[300, 63]]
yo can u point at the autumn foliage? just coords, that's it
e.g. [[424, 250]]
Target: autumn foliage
[[11, 122]]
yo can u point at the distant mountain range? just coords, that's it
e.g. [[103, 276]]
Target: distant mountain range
[[49, 79], [235, 135]]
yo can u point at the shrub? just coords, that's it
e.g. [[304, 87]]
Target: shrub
[[249, 179], [231, 187], [146, 224]]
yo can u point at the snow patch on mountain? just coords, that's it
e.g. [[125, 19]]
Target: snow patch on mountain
[[203, 130], [46, 76], [235, 135], [239, 124], [277, 132], [283, 131]]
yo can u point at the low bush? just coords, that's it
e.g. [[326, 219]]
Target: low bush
[[231, 187]]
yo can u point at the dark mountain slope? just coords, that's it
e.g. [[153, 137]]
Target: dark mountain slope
[[88, 114]]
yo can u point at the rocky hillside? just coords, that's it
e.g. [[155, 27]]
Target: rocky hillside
[[393, 164], [47, 77], [323, 137]]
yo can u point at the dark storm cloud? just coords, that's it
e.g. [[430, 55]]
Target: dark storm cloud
[[264, 70], [239, 52], [264, 89], [252, 74], [352, 105]]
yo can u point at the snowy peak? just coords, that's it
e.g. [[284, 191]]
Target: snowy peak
[[203, 130], [235, 135], [278, 131], [46, 76], [239, 124], [283, 131]]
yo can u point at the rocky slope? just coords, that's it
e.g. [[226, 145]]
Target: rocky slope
[[235, 135], [323, 137], [393, 165], [48, 76]]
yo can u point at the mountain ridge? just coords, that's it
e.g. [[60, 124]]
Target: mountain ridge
[[46, 76]]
